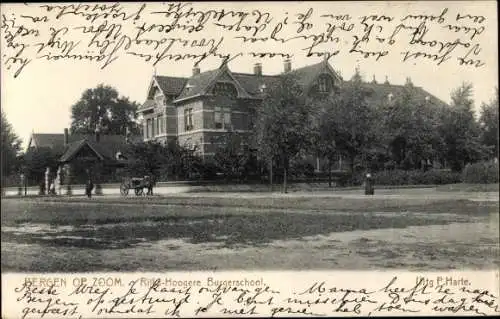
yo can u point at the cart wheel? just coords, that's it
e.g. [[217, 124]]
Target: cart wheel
[[123, 190], [139, 191]]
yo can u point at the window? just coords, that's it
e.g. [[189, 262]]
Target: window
[[158, 126], [324, 84], [162, 124], [149, 128], [188, 119], [222, 117], [226, 89]]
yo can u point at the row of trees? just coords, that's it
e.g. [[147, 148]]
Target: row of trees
[[405, 132]]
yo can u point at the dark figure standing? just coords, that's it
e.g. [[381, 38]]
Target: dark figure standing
[[88, 188], [149, 184], [369, 187]]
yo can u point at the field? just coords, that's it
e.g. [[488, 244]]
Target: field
[[414, 231]]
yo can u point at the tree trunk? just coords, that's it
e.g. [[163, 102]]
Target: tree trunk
[[271, 174], [285, 190], [285, 172], [329, 173]]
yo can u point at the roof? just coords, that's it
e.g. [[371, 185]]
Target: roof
[[147, 105], [197, 84], [170, 85], [52, 140], [252, 83], [380, 92], [184, 88], [105, 149]]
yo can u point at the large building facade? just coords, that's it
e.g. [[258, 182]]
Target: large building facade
[[198, 110]]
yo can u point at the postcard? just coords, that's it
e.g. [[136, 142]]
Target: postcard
[[253, 159]]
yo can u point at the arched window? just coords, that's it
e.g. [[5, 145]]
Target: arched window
[[226, 89]]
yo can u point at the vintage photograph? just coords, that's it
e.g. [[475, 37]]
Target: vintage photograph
[[155, 137]]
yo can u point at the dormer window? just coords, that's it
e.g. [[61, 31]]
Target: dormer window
[[262, 88], [324, 83], [188, 88], [225, 89], [389, 97]]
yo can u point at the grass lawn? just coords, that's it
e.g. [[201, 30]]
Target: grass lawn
[[147, 234], [469, 188]]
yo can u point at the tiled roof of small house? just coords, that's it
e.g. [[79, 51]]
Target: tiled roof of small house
[[54, 141], [106, 148]]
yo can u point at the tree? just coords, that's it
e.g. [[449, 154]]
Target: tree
[[352, 121], [488, 122], [411, 124], [11, 145], [460, 130], [117, 113], [323, 134], [37, 160], [283, 124], [231, 156], [146, 158]]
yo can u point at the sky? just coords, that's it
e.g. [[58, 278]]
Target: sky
[[39, 99]]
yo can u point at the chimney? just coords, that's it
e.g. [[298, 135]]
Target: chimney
[[287, 65], [386, 80], [257, 69], [196, 69], [66, 137], [374, 80]]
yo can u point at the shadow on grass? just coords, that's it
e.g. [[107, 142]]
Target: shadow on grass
[[228, 231]]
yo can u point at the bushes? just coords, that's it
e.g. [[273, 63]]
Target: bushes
[[411, 177], [481, 173]]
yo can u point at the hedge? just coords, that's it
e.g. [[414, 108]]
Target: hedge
[[411, 177], [481, 173]]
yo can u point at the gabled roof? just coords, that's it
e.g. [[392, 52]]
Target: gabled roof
[[170, 85], [197, 84], [249, 85], [306, 75], [105, 149], [201, 84], [73, 149]]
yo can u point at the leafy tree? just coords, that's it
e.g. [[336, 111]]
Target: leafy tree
[[160, 161], [231, 156], [323, 133], [11, 145], [460, 129], [411, 124], [283, 124], [352, 121], [146, 158], [489, 125], [103, 102], [36, 161]]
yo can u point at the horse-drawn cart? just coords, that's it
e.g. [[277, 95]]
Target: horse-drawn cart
[[137, 184]]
